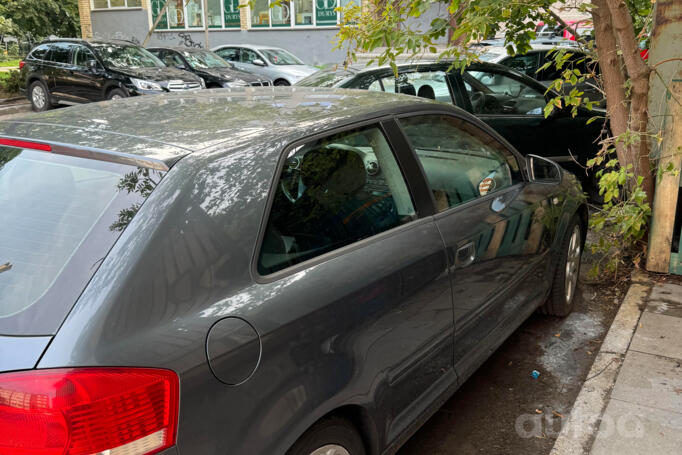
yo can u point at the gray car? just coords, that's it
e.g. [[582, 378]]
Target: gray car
[[279, 65], [263, 271]]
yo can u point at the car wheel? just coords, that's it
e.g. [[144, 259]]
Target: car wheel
[[331, 436], [281, 83], [117, 94], [40, 97], [562, 295]]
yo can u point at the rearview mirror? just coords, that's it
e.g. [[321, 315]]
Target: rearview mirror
[[542, 170], [258, 62]]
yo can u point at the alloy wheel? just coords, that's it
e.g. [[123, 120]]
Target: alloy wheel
[[572, 263], [331, 449], [38, 97]]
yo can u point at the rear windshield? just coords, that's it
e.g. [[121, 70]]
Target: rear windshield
[[60, 216]]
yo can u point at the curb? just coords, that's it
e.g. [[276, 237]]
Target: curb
[[578, 432]]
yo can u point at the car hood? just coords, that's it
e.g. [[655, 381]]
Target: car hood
[[229, 74], [298, 71], [158, 74], [21, 352]]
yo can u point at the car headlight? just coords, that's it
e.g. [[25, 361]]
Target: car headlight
[[236, 83], [145, 85]]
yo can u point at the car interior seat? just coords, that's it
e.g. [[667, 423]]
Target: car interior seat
[[426, 91]]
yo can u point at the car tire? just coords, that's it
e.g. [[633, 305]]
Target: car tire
[[116, 94], [565, 282], [39, 96], [281, 83], [330, 436]]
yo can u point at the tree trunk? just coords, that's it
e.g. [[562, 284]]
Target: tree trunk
[[612, 74], [639, 76]]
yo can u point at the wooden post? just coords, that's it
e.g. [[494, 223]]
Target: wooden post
[[156, 22], [665, 198]]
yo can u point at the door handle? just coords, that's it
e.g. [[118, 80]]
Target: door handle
[[465, 255]]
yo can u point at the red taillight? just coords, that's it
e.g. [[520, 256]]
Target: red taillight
[[26, 144], [21, 65], [130, 411]]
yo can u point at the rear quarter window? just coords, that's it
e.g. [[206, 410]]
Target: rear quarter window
[[40, 52], [60, 216]]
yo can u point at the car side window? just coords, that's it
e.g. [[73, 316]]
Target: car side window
[[527, 63], [331, 193], [248, 56], [173, 60], [61, 53], [460, 161], [82, 55], [426, 84], [493, 93], [40, 52], [229, 53]]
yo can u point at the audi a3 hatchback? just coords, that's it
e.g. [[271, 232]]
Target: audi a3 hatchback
[[71, 71], [295, 271]]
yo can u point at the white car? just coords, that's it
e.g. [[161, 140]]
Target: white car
[[279, 65]]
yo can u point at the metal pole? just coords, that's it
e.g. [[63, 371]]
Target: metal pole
[[206, 24]]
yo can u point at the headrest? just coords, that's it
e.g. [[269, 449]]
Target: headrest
[[337, 170], [426, 91], [407, 89]]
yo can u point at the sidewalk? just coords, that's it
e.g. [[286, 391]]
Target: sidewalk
[[644, 414], [631, 402]]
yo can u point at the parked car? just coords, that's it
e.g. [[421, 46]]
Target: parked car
[[509, 101], [531, 62], [317, 280], [215, 71], [70, 71], [279, 65]]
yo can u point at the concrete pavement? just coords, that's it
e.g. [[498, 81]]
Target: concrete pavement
[[631, 402]]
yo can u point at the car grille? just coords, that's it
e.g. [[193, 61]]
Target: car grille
[[261, 83], [179, 86]]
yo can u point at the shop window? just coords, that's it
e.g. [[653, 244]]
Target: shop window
[[304, 12], [281, 14], [176, 14], [231, 13], [260, 13], [214, 13], [195, 13]]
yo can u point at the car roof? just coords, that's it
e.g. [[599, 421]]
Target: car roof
[[250, 46], [180, 48], [89, 41], [501, 51], [164, 128]]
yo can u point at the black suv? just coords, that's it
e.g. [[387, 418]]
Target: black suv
[[80, 71], [208, 65]]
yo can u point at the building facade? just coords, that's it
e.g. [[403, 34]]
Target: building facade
[[305, 27]]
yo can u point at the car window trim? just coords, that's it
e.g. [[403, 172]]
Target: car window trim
[[265, 218], [485, 129]]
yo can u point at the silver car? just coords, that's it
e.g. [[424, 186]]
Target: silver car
[[280, 65]]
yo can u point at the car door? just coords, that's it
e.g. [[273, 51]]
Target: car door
[[376, 297], [60, 70], [86, 83], [514, 107], [496, 228], [246, 58], [231, 54]]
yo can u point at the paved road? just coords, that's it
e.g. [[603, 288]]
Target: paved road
[[501, 409]]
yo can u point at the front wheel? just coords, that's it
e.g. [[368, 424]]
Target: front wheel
[[565, 283], [330, 436], [281, 83], [117, 94], [39, 96]]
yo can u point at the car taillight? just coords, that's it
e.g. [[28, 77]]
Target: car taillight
[[131, 411], [25, 144], [21, 64]]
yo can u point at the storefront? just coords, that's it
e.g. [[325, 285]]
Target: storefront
[[305, 27]]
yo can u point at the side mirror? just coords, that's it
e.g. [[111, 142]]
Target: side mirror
[[542, 170], [258, 62]]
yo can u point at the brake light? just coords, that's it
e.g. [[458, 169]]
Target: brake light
[[26, 144], [131, 411], [21, 65]]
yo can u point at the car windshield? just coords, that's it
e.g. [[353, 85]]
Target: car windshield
[[122, 56], [204, 60], [490, 56], [60, 216], [280, 57], [326, 78]]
